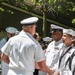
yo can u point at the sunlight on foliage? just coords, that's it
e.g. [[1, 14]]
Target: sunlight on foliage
[[9, 11], [74, 9], [73, 21], [1, 9]]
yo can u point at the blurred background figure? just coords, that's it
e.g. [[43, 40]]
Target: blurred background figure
[[37, 38], [46, 41], [17, 32], [10, 32]]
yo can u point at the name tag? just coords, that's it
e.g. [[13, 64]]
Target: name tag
[[56, 48]]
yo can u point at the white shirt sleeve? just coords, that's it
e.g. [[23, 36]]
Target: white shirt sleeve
[[39, 54], [5, 49]]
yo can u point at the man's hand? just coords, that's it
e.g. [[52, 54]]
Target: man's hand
[[51, 72], [58, 73]]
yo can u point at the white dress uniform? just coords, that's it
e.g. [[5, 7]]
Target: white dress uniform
[[71, 62], [53, 49], [63, 69], [51, 54], [22, 50], [64, 54], [4, 66]]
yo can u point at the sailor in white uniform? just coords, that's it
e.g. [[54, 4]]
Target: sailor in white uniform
[[22, 50], [47, 40], [71, 60], [65, 52], [10, 32], [54, 47]]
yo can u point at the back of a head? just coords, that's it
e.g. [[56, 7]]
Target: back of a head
[[36, 36], [29, 25]]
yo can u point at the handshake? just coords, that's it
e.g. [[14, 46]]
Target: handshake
[[52, 72]]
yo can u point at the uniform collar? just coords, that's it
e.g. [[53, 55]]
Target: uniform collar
[[58, 42], [66, 48], [25, 34]]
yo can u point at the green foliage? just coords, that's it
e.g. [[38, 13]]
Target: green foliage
[[45, 5], [56, 7], [73, 8], [73, 21], [9, 11], [1, 9], [59, 7]]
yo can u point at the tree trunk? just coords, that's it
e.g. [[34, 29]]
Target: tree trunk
[[44, 24]]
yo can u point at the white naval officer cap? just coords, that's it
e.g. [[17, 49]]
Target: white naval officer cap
[[29, 21], [11, 29], [55, 28], [47, 39], [68, 31]]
